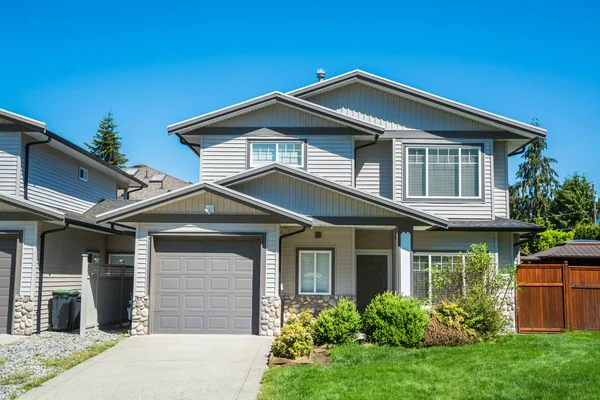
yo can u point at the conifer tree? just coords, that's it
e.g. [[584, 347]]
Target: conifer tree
[[106, 143]]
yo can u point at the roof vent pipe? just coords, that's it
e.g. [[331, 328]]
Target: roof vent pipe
[[320, 74]]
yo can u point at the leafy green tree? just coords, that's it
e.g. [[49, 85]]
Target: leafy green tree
[[106, 144], [547, 240], [572, 204], [531, 196], [590, 232]]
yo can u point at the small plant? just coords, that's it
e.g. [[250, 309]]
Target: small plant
[[293, 342], [451, 314], [304, 319], [391, 320], [337, 325]]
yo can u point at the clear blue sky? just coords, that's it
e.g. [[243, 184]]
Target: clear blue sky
[[68, 63]]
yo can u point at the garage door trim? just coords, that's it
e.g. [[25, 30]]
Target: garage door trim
[[15, 273]]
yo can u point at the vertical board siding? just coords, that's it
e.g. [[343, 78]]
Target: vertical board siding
[[392, 111], [142, 248], [28, 254], [276, 115], [452, 241], [10, 153], [307, 198], [341, 239], [197, 204], [374, 168], [54, 181], [501, 205], [328, 156]]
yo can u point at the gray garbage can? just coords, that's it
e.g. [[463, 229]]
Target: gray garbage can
[[62, 309]]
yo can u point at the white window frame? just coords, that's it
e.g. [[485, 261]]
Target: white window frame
[[315, 252], [277, 143], [429, 255], [460, 148], [85, 176], [121, 255]]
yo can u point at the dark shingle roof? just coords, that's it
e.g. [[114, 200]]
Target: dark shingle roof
[[572, 249], [89, 217], [499, 224]]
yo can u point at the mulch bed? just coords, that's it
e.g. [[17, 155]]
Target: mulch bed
[[318, 355]]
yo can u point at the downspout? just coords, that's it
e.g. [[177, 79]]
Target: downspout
[[41, 273], [131, 191], [365, 145], [280, 269], [26, 172]]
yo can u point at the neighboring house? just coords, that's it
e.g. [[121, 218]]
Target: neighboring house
[[574, 252], [48, 184], [158, 183], [345, 188]]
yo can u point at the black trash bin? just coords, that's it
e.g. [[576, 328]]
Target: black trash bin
[[76, 312], [62, 309]]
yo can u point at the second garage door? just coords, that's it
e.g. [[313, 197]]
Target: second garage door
[[7, 267], [205, 285]]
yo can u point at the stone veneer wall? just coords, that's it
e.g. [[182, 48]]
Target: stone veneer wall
[[139, 315], [23, 315], [270, 316], [509, 310], [294, 305]]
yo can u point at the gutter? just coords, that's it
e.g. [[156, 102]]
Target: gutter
[[365, 145], [41, 273], [26, 172], [188, 144], [134, 190], [280, 269]]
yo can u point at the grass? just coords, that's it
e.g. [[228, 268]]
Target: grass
[[18, 378], [514, 367]]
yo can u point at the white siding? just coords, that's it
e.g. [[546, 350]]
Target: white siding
[[328, 156], [307, 198], [374, 168], [501, 208], [341, 239], [54, 181], [398, 181], [448, 208], [142, 248], [276, 115], [197, 204], [29, 254], [10, 152], [392, 111], [451, 241]]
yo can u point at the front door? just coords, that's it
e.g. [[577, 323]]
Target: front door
[[371, 278]]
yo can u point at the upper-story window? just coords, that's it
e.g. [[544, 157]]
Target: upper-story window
[[284, 152], [443, 172], [83, 174]]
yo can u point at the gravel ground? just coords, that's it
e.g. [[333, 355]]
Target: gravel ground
[[25, 356]]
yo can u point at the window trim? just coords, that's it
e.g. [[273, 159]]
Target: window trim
[[87, 174], [315, 250], [276, 141], [121, 254], [481, 160], [91, 254]]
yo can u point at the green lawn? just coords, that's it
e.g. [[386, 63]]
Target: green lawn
[[514, 367]]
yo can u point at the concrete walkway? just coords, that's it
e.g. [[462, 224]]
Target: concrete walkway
[[6, 339], [166, 367]]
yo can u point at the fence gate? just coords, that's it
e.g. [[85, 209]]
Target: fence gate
[[552, 297]]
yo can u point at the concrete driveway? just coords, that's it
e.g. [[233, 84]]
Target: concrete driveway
[[166, 367]]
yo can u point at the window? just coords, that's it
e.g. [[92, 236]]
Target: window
[[315, 271], [121, 259], [443, 172], [289, 153], [83, 174], [422, 287], [93, 257]]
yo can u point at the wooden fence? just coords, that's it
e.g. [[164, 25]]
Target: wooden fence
[[555, 297]]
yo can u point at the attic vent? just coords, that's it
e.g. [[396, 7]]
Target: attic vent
[[320, 74], [158, 177], [131, 171]]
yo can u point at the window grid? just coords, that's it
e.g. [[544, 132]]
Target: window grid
[[289, 153], [314, 266], [422, 279]]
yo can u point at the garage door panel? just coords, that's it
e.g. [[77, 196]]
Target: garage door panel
[[217, 278]]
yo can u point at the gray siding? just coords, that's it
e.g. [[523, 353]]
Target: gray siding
[[328, 156], [373, 239], [29, 257], [10, 152], [501, 203], [506, 252], [54, 181], [376, 106], [307, 198], [197, 204], [374, 168], [341, 239], [451, 241]]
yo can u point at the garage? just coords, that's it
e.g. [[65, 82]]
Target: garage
[[8, 250], [205, 285]]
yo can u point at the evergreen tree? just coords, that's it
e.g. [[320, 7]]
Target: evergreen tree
[[573, 203], [531, 196], [106, 144]]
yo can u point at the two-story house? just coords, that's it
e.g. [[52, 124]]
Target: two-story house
[[50, 192], [347, 187]]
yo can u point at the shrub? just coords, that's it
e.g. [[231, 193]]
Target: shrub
[[437, 333], [304, 319], [293, 342], [337, 325], [451, 314], [391, 320]]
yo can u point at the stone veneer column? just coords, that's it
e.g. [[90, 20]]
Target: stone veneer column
[[23, 315], [139, 315], [270, 316], [509, 309]]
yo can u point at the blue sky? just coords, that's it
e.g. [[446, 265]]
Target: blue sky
[[153, 64]]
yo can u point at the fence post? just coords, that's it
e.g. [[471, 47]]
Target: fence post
[[85, 292], [121, 293], [566, 294]]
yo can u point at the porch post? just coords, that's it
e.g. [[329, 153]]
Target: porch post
[[404, 260]]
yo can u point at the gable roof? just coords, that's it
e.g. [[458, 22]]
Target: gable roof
[[347, 190], [180, 194], [189, 125], [30, 206], [421, 96]]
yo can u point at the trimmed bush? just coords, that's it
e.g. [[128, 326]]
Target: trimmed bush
[[337, 325], [304, 319], [293, 342], [391, 320]]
